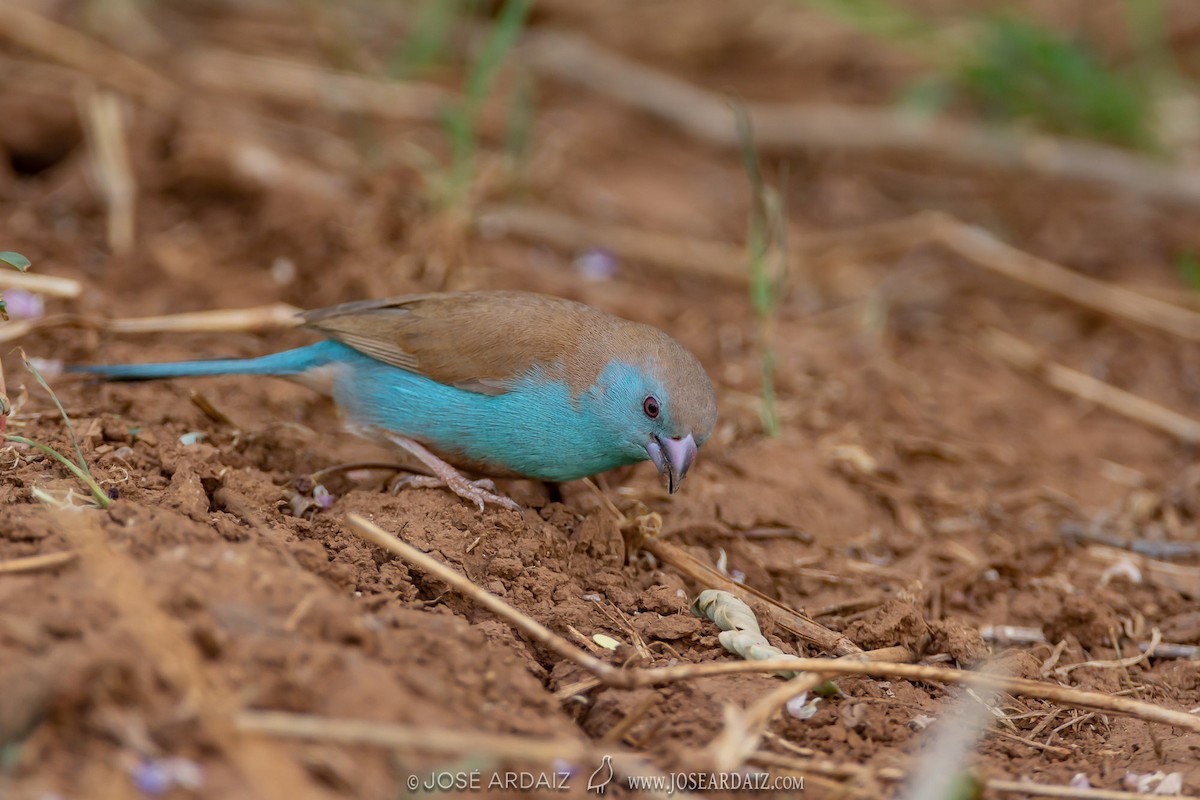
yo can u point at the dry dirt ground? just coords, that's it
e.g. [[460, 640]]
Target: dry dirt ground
[[918, 491]]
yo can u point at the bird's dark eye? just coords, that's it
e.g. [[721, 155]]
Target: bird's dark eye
[[650, 406]]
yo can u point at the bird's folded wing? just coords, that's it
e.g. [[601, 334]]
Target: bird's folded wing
[[480, 341]]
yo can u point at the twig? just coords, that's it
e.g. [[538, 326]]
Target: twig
[[1011, 634], [1181, 578], [706, 115], [1030, 743], [394, 736], [792, 621], [1092, 533], [201, 693], [859, 665], [1025, 356], [275, 315], [50, 285], [688, 255], [984, 249], [105, 128], [36, 563], [96, 60], [893, 775], [407, 737], [919, 672], [718, 260], [527, 625], [1119, 663], [617, 732], [308, 85], [1045, 790]]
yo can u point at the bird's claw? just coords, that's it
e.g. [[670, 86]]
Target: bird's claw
[[480, 492]]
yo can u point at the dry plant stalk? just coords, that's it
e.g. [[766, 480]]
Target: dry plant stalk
[[1025, 356], [707, 116], [268, 770], [94, 59], [1181, 578], [836, 769], [691, 256], [919, 672], [49, 285], [16, 566], [112, 168], [308, 85], [790, 620], [858, 664], [273, 315], [709, 258], [409, 737], [395, 736], [230, 320], [372, 533]]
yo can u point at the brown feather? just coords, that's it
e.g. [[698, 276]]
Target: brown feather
[[482, 341]]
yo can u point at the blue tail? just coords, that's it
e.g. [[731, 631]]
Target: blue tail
[[289, 362]]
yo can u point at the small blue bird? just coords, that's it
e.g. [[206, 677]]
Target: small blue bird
[[503, 384]]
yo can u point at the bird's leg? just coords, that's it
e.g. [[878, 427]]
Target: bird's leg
[[477, 492]]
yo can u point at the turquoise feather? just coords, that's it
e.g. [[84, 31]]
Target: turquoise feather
[[502, 383]]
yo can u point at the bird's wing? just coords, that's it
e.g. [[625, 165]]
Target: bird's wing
[[480, 341]]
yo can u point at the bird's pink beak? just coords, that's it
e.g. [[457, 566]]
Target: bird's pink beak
[[673, 457]]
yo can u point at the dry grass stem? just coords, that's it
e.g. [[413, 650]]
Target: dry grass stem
[[1045, 790], [918, 672], [16, 566], [389, 735], [834, 769], [94, 59], [372, 533], [1119, 663], [719, 260], [167, 643], [422, 739], [104, 124], [707, 116], [1182, 578], [49, 285], [308, 85], [691, 256], [982, 248], [1025, 356], [275, 315], [793, 621]]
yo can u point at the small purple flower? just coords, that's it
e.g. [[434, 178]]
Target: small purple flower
[[322, 496], [157, 776], [152, 777], [24, 305], [597, 265]]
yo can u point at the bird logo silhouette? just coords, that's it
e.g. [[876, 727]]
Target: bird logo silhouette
[[600, 779]]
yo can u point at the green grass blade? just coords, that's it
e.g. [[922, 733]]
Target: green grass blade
[[462, 123], [70, 428], [14, 260], [101, 496]]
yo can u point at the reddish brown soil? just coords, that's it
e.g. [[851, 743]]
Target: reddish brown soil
[[201, 592]]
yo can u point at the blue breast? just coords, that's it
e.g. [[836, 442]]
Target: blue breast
[[536, 429]]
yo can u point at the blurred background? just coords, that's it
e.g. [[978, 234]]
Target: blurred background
[[941, 259]]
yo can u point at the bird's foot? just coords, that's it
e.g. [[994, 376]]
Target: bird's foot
[[480, 492]]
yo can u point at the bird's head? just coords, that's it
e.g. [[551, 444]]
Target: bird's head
[[660, 405]]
